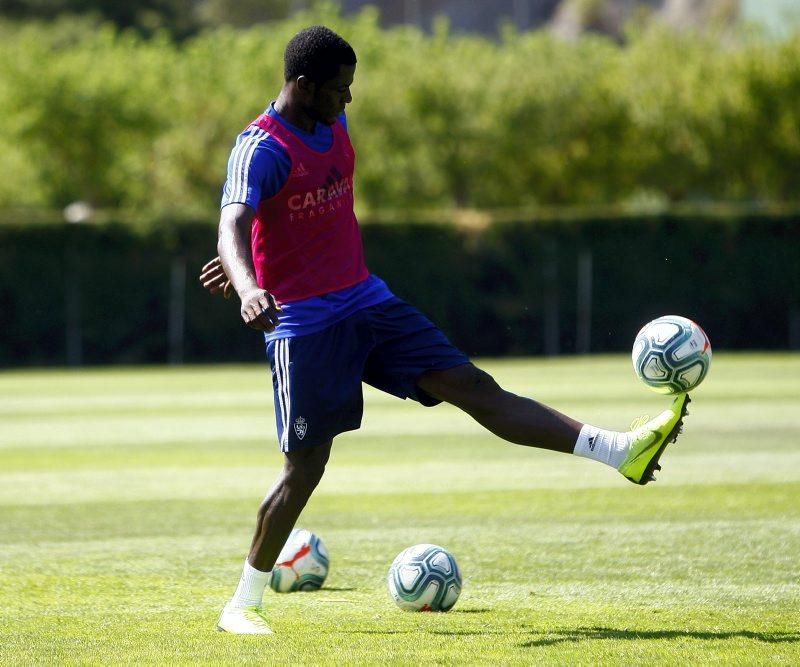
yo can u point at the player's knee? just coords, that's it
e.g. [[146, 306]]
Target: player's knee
[[482, 392], [462, 385], [303, 477], [303, 470], [475, 380]]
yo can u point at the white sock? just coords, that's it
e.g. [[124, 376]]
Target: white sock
[[609, 447], [251, 587]]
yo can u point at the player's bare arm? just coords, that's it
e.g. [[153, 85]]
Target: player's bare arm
[[259, 309]]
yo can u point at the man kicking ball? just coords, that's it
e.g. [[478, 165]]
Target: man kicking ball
[[290, 247]]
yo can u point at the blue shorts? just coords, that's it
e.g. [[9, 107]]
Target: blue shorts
[[317, 378]]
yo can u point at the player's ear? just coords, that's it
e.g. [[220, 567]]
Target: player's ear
[[305, 85]]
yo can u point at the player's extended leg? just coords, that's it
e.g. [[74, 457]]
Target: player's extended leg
[[302, 472], [514, 418], [523, 421]]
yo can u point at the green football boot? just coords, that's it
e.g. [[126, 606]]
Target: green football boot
[[649, 440], [243, 621]]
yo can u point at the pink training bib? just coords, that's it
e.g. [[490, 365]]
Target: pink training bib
[[305, 240]]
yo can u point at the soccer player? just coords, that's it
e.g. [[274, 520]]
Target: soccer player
[[290, 247]]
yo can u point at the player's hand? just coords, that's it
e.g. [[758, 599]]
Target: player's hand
[[214, 279], [260, 310]]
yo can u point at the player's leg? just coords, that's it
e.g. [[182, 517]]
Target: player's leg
[[524, 421], [413, 359], [302, 472], [514, 418], [317, 390], [277, 515]]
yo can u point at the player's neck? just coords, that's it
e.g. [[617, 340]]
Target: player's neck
[[293, 113]]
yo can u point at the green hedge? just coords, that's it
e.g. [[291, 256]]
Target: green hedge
[[439, 121], [508, 289]]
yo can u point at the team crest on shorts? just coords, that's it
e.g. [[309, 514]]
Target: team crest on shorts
[[300, 427]]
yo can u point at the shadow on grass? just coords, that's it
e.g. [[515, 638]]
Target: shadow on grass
[[463, 633], [409, 631], [378, 632], [584, 634]]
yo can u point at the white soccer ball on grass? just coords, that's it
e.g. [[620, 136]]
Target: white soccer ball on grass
[[302, 564], [424, 577]]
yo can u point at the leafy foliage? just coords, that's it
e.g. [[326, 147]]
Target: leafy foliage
[[440, 120]]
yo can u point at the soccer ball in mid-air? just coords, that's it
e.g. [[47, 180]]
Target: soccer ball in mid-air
[[302, 564], [671, 354], [424, 577]]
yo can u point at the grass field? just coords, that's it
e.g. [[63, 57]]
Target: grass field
[[127, 500]]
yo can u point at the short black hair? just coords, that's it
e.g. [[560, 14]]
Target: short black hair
[[316, 52]]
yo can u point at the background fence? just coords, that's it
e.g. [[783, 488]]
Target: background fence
[[115, 293]]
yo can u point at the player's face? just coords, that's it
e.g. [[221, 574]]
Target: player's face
[[331, 96]]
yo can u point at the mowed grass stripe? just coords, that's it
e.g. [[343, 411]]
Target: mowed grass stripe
[[22, 524], [703, 436], [753, 419], [531, 633], [762, 375], [559, 557], [51, 488], [142, 407]]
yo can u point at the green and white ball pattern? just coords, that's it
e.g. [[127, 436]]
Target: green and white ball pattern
[[424, 577], [671, 354]]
